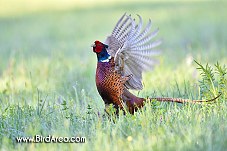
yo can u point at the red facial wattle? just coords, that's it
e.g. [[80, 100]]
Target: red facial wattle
[[98, 46]]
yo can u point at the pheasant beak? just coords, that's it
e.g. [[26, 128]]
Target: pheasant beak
[[93, 45]]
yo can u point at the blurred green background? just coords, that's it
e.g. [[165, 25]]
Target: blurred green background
[[45, 48], [34, 33]]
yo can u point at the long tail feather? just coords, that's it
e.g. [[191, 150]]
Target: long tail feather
[[180, 100]]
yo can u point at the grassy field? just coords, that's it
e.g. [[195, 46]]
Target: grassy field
[[47, 76]]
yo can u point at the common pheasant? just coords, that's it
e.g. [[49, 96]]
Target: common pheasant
[[122, 59]]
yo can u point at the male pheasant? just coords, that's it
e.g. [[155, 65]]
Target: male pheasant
[[122, 58]]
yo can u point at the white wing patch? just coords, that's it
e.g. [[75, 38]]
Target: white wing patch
[[132, 48]]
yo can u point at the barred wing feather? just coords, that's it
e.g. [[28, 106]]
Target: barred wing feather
[[132, 48]]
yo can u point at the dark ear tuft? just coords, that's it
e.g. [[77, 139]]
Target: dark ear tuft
[[106, 46]]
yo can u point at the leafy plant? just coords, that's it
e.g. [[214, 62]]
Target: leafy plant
[[213, 81]]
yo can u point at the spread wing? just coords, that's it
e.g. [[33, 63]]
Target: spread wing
[[132, 47]]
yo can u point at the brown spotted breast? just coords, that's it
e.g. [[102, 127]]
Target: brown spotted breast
[[109, 83]]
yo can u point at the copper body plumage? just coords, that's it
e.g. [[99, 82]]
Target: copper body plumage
[[122, 58], [111, 88], [110, 85]]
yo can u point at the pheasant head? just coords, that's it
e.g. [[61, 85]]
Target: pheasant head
[[100, 49]]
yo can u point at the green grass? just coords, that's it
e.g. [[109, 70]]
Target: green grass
[[47, 83]]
